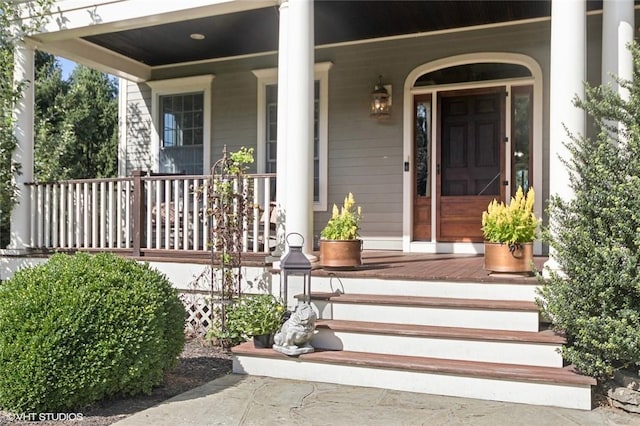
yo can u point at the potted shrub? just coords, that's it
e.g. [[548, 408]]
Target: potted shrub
[[509, 231], [259, 316], [340, 246]]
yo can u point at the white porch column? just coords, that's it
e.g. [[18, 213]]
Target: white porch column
[[283, 114], [24, 57], [617, 33], [299, 121], [567, 76]]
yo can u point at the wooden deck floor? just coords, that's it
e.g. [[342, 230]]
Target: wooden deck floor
[[419, 266]]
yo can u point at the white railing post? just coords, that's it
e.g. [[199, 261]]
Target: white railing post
[[86, 214], [128, 221], [205, 214], [195, 220], [78, 216], [103, 214], [55, 216], [47, 215], [63, 215], [267, 219], [119, 224], [95, 215], [70, 222], [185, 214], [111, 223], [175, 202]]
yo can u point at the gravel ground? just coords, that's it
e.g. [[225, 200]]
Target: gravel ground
[[199, 364]]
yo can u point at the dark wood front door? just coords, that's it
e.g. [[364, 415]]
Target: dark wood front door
[[470, 170]]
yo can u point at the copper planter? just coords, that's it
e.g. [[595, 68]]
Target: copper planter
[[499, 257], [340, 253]]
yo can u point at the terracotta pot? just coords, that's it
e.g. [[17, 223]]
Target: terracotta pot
[[500, 257], [340, 253]]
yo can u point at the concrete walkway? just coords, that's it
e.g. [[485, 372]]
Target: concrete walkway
[[250, 400]]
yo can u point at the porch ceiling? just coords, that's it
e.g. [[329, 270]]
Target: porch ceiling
[[256, 31]]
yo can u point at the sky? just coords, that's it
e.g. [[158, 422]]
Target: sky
[[67, 67]]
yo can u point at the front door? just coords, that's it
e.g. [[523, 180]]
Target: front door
[[469, 171]]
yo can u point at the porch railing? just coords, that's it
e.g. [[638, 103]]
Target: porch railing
[[141, 212]]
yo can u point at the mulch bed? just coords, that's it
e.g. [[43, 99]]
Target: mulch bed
[[200, 363]]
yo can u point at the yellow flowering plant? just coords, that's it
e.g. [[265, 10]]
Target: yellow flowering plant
[[513, 223], [345, 222]]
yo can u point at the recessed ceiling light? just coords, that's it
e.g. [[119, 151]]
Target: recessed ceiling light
[[197, 36]]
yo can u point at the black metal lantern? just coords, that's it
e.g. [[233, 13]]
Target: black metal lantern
[[295, 263], [380, 101]]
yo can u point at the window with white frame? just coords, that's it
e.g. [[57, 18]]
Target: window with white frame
[[181, 116], [268, 128]]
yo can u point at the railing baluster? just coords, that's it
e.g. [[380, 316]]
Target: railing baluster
[[86, 214], [185, 214], [256, 217], [127, 214], [39, 214], [47, 215], [70, 219], [63, 215], [267, 219], [55, 215], [245, 220], [119, 224], [78, 216], [176, 214], [103, 214], [111, 223], [195, 220], [205, 214], [149, 189], [159, 213], [95, 214]]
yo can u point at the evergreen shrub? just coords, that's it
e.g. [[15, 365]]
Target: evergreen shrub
[[595, 296], [80, 328]]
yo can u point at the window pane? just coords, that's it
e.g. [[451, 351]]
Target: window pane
[[198, 102], [188, 103], [423, 148], [473, 72], [187, 120], [272, 128], [187, 137], [167, 104], [521, 135], [182, 125], [182, 113]]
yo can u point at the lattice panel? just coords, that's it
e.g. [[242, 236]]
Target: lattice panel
[[199, 318]]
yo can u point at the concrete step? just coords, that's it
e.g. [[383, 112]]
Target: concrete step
[[436, 311], [482, 380], [520, 289], [511, 347]]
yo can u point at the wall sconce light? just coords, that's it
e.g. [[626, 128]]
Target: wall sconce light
[[381, 100]]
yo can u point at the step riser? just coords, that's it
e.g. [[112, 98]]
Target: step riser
[[544, 355], [481, 290], [576, 397], [444, 317]]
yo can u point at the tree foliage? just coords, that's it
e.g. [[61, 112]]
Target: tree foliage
[[12, 29], [75, 121], [596, 236], [77, 131]]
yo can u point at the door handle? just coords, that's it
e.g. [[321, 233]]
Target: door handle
[[437, 169]]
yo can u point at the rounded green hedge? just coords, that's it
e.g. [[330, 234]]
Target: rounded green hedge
[[81, 328]]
